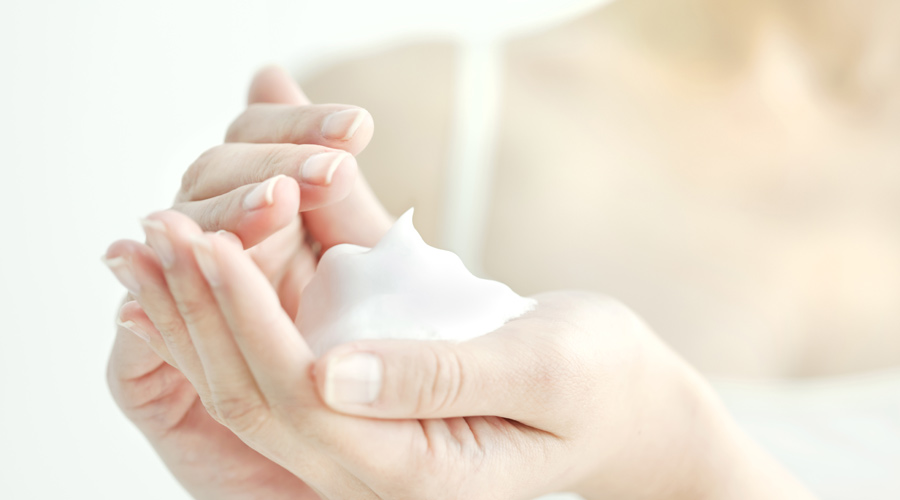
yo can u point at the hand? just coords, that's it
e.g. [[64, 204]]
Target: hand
[[249, 185], [205, 456], [576, 395]]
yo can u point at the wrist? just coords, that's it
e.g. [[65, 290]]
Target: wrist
[[681, 443], [721, 461], [732, 466]]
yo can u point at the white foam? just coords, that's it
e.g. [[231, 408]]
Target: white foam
[[401, 288]]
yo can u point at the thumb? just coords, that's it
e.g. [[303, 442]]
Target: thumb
[[274, 85], [359, 218], [499, 374]]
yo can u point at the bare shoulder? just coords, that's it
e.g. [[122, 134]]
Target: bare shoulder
[[409, 92]]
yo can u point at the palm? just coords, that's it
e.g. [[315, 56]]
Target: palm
[[289, 262], [206, 457], [218, 465]]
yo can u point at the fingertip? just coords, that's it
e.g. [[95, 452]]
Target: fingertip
[[328, 183], [349, 129], [230, 237], [171, 221], [132, 317], [258, 224], [363, 135], [118, 249], [131, 310], [121, 258], [359, 218], [139, 341], [273, 84], [350, 379], [202, 246]]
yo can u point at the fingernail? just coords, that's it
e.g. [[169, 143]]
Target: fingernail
[[341, 126], [121, 268], [133, 327], [319, 168], [353, 379], [203, 252], [231, 237], [262, 195], [158, 237]]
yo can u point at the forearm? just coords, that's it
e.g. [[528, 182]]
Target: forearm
[[736, 467], [684, 444]]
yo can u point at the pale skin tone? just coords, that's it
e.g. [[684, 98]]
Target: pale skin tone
[[727, 168], [157, 397], [581, 395]]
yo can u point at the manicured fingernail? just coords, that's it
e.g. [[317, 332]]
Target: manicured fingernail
[[121, 268], [231, 237], [341, 125], [133, 327], [319, 168], [353, 379], [203, 252], [158, 237], [262, 195]]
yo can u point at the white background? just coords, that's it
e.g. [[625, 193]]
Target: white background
[[103, 104]]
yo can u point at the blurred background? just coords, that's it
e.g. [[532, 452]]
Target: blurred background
[[730, 169], [103, 104]]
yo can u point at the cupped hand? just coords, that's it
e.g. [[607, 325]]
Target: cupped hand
[[576, 395], [286, 182]]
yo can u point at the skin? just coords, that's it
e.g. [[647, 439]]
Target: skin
[[144, 377], [601, 377], [581, 395], [728, 168]]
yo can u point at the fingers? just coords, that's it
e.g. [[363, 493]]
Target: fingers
[[146, 282], [273, 349], [325, 175], [252, 213], [359, 219], [339, 126], [508, 373], [294, 118], [126, 260], [274, 85], [133, 319], [149, 390], [231, 385], [133, 357], [254, 359], [281, 133]]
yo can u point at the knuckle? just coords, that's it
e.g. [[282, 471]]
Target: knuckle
[[587, 306], [210, 406], [290, 128], [233, 132], [241, 414], [135, 392], [215, 214], [171, 327], [193, 309], [153, 401], [441, 380], [196, 170], [274, 160], [236, 130], [611, 305], [610, 319]]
